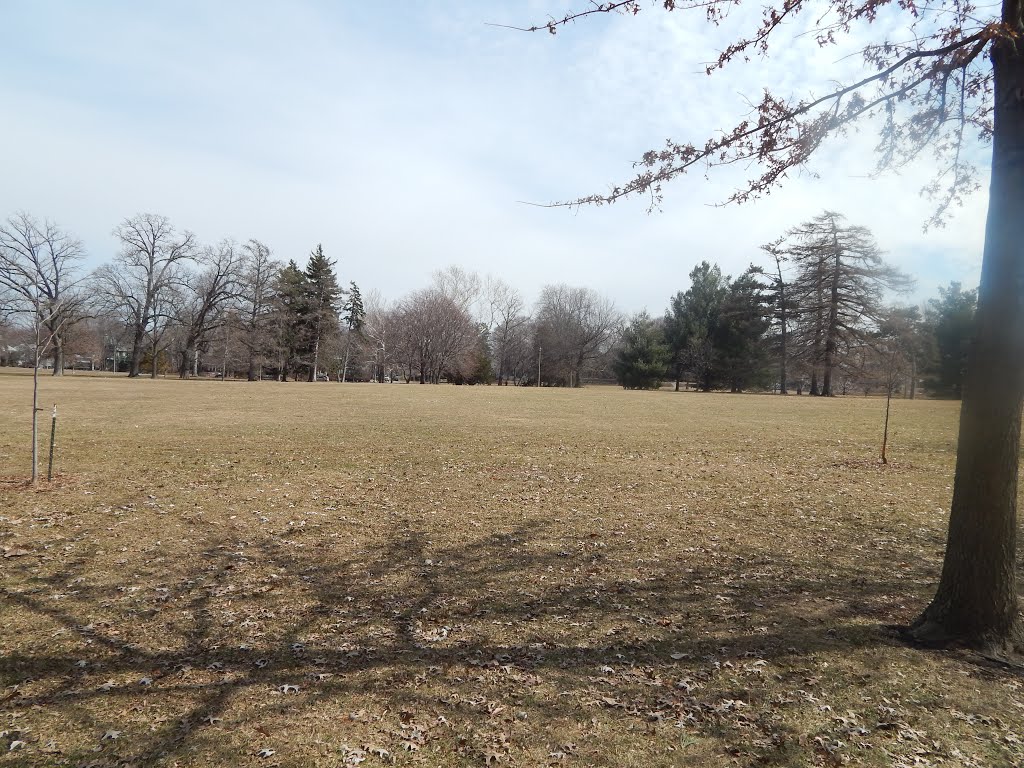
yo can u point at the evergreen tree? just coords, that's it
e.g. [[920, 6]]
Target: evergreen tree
[[740, 350], [839, 285], [354, 315], [642, 358], [951, 321], [482, 370], [676, 338], [290, 317], [701, 306], [782, 312], [322, 300]]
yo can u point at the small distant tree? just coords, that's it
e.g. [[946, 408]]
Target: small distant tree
[[905, 332], [642, 358]]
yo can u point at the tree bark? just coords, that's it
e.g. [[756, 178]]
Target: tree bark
[[976, 600], [135, 364], [316, 358], [58, 356]]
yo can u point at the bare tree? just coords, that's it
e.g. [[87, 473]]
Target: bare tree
[[140, 278], [40, 274], [507, 323], [439, 334], [464, 288], [381, 330], [255, 304], [202, 298], [574, 326]]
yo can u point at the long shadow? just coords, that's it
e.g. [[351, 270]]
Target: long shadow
[[680, 645]]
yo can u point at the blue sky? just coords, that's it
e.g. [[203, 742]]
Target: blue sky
[[402, 137]]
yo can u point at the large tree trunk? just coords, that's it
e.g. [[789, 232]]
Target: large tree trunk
[[183, 363], [58, 355], [976, 600], [135, 364]]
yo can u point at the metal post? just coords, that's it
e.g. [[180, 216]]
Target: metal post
[[53, 439], [539, 350]]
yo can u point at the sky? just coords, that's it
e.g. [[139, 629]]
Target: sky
[[406, 137]]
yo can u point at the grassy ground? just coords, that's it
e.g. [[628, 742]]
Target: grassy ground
[[321, 575]]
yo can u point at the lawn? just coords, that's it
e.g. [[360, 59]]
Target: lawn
[[263, 574]]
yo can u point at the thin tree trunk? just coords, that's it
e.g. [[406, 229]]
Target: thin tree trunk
[[832, 329], [316, 358], [783, 390], [976, 600], [348, 347], [156, 348], [35, 409]]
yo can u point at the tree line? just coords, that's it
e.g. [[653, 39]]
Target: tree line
[[812, 318]]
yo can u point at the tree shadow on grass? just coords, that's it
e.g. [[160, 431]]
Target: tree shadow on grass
[[491, 648]]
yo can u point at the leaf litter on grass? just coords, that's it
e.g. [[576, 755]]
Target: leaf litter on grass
[[410, 575]]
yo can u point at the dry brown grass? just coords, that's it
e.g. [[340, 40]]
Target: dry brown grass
[[463, 576]]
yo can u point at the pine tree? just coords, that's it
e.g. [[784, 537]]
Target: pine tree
[[702, 303], [642, 358], [951, 321], [740, 350], [290, 314], [322, 297], [354, 315]]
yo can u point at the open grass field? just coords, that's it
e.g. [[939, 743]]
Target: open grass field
[[232, 574]]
